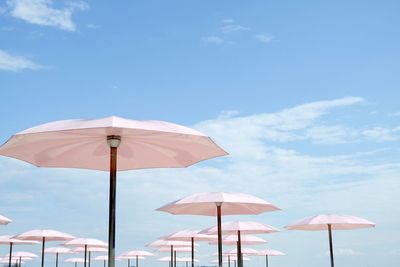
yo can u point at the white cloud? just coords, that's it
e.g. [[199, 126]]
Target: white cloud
[[230, 28], [42, 12], [213, 39], [265, 38], [227, 21], [382, 134], [9, 62], [345, 252]]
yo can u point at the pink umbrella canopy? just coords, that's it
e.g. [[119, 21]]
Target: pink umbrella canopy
[[245, 240], [86, 244], [190, 235], [96, 144], [245, 251], [83, 144], [9, 240], [166, 243], [270, 252], [137, 253], [4, 220], [218, 204], [245, 227], [101, 258], [177, 249], [91, 249], [330, 222], [44, 235], [242, 227], [337, 222], [23, 254], [58, 250]]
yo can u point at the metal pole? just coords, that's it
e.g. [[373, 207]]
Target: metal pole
[[192, 251], [84, 263], [56, 259], [330, 244], [43, 241], [104, 263], [75, 264], [219, 214], [137, 261], [9, 258], [113, 141], [175, 258], [172, 256], [266, 260], [89, 257], [129, 262], [240, 261], [234, 263], [229, 260]]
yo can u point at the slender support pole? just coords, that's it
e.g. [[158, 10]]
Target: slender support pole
[[237, 253], [76, 264], [129, 262], [234, 263], [104, 264], [137, 261], [192, 251], [175, 258], [330, 244], [240, 260], [84, 263], [219, 215], [56, 259], [20, 261], [9, 257], [89, 258], [229, 260], [113, 142], [172, 256], [43, 241], [266, 260], [186, 264]]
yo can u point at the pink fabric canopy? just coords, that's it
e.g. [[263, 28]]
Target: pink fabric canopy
[[83, 144], [337, 222]]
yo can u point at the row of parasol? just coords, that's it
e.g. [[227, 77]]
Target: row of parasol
[[114, 143]]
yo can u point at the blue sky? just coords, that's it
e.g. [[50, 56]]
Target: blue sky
[[303, 94]]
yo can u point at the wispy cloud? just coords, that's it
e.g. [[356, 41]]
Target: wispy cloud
[[213, 39], [10, 62], [265, 38], [43, 12], [230, 28]]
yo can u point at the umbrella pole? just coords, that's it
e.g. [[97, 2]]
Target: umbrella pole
[[84, 264], [266, 260], [129, 262], [239, 251], [330, 244], [9, 258], [113, 141], [175, 258], [89, 258], [172, 256], [219, 234], [56, 259], [229, 260], [192, 251], [43, 241], [234, 263], [76, 264], [137, 261], [104, 264]]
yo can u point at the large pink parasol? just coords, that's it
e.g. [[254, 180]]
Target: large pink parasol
[[86, 244], [9, 240], [137, 254], [57, 251], [44, 235], [330, 222], [192, 236], [239, 228], [96, 144], [270, 252], [218, 204]]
